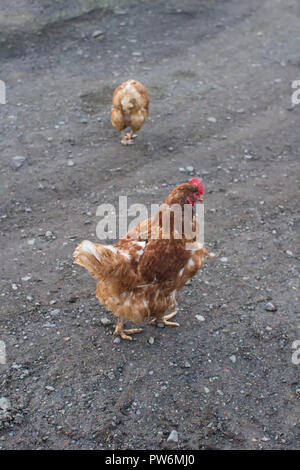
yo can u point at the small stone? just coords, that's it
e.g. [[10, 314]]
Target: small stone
[[31, 241], [117, 340], [190, 169], [97, 34], [206, 390], [49, 234], [187, 364], [270, 307], [160, 325], [173, 436], [182, 169], [212, 119], [105, 321], [50, 388], [30, 298], [18, 161], [200, 317], [224, 259], [289, 253], [26, 278], [232, 358], [4, 404], [55, 311], [151, 340], [171, 149], [71, 163]]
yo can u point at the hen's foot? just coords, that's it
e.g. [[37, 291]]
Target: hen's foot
[[127, 138], [126, 141], [122, 333], [165, 320], [130, 135]]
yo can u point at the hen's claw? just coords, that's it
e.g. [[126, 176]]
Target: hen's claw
[[165, 319], [122, 333], [130, 135], [127, 138]]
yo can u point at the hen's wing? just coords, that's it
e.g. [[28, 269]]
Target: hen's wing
[[117, 119], [162, 260], [144, 96]]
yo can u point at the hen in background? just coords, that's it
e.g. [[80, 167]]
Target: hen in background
[[130, 109]]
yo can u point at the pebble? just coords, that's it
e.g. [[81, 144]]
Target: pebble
[[105, 321], [270, 307], [151, 340], [289, 253], [50, 388], [189, 169], [4, 404], [187, 364], [232, 358], [71, 163], [117, 340], [212, 119], [224, 259], [173, 436], [160, 325], [31, 242], [97, 33], [49, 234], [18, 161], [200, 317], [55, 311]]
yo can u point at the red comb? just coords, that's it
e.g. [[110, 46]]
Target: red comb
[[199, 184]]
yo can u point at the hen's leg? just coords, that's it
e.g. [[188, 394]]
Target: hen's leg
[[124, 140], [130, 136], [165, 319], [122, 333]]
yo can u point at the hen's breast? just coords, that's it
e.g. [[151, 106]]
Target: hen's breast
[[127, 119]]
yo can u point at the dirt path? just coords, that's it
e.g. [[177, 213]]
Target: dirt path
[[219, 74]]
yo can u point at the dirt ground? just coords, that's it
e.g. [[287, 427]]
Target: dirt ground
[[219, 74]]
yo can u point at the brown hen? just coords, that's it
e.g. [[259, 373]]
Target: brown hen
[[130, 109], [139, 276]]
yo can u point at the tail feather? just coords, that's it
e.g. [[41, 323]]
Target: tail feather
[[105, 262], [96, 258]]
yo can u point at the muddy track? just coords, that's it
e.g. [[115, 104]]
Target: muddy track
[[219, 74]]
